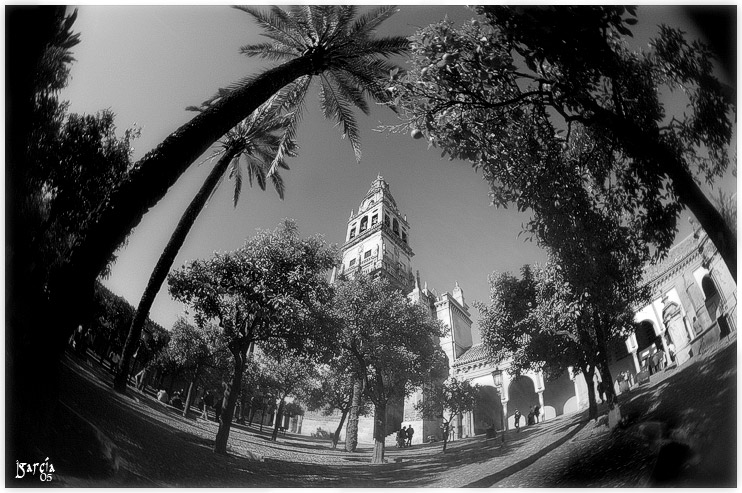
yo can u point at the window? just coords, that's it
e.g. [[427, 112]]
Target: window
[[404, 236], [395, 226], [364, 224], [352, 262], [367, 254], [374, 220], [352, 232], [386, 220]]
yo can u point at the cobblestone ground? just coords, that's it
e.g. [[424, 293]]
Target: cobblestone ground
[[678, 430]]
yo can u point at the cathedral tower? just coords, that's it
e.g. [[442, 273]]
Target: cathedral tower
[[377, 239]]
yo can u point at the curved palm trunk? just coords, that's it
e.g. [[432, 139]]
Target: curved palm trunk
[[151, 178], [165, 262]]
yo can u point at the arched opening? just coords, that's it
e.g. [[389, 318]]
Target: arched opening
[[711, 295], [395, 226], [522, 396], [713, 305], [557, 393], [647, 342], [487, 411], [364, 224]]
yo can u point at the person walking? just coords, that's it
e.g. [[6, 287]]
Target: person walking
[[516, 418], [401, 436], [217, 408], [536, 412], [410, 432]]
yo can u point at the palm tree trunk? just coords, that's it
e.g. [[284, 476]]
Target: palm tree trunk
[[165, 262], [379, 432], [230, 398], [156, 172], [351, 435]]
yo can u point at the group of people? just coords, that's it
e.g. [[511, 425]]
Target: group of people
[[404, 437], [531, 419]]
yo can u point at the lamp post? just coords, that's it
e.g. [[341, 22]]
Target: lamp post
[[497, 376]]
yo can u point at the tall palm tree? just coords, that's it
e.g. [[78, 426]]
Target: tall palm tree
[[262, 141], [330, 42]]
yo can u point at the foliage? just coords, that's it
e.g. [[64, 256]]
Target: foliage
[[272, 291], [550, 102], [449, 401], [195, 348], [391, 341], [350, 65]]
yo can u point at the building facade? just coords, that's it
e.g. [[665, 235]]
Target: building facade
[[693, 306]]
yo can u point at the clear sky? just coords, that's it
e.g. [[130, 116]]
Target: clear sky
[[148, 63]]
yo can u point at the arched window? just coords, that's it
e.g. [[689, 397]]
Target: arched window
[[395, 226], [386, 220], [364, 224], [711, 295], [352, 232], [374, 220], [404, 236]]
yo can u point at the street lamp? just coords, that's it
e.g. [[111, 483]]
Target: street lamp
[[497, 376]]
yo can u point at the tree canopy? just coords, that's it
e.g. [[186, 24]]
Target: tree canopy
[[547, 101], [391, 341]]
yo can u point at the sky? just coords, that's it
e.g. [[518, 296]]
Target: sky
[[148, 63]]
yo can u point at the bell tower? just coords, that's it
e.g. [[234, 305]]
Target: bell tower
[[377, 239]]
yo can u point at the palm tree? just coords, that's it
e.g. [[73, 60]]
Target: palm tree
[[330, 42], [256, 142]]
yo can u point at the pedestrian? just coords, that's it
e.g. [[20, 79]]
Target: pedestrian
[[115, 358], [177, 401], [529, 420], [516, 418], [401, 435], [453, 433], [162, 396], [207, 402], [536, 411], [671, 350], [410, 432]]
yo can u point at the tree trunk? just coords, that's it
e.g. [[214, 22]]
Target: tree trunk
[[336, 436], [589, 373], [279, 418], [351, 433], [379, 432], [165, 262], [151, 177], [230, 397], [189, 399], [445, 435], [650, 147]]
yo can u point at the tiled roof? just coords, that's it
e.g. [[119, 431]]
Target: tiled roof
[[674, 255], [475, 353]]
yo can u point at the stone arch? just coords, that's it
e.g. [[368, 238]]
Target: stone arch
[[647, 341], [521, 396], [488, 410]]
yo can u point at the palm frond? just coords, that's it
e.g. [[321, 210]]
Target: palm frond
[[387, 47], [269, 51], [276, 24], [349, 89], [336, 108], [277, 181], [236, 173], [368, 22]]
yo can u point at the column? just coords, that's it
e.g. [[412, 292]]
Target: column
[[636, 361], [504, 414], [541, 403]]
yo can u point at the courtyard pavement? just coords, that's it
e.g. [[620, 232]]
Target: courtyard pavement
[[105, 439]]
